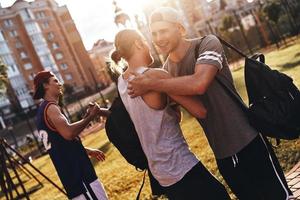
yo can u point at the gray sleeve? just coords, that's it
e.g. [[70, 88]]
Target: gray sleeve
[[211, 52]]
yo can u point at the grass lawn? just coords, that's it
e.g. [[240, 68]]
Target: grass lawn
[[122, 181]]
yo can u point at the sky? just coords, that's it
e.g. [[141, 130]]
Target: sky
[[94, 19]]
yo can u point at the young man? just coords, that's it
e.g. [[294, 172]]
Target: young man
[[61, 140], [244, 157]]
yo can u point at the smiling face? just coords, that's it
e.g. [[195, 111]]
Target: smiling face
[[166, 35], [53, 87]]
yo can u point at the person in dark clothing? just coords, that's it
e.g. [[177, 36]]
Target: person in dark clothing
[[61, 140]]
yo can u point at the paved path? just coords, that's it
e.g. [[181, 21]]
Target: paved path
[[293, 179]]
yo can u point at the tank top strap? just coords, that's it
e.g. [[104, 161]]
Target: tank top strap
[[142, 70]]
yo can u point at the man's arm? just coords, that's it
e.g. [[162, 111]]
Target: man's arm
[[70, 130], [195, 84], [190, 103]]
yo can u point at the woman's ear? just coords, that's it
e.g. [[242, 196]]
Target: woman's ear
[[139, 44]]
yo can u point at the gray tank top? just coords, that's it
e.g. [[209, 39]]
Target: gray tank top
[[169, 157]]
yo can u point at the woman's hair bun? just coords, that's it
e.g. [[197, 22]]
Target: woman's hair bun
[[116, 56]]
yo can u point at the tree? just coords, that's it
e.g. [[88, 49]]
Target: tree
[[68, 89], [3, 78], [68, 93], [228, 23], [273, 11]]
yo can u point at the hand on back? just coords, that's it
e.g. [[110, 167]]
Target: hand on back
[[138, 85]]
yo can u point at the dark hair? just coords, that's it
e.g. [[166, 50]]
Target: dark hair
[[115, 56], [40, 90]]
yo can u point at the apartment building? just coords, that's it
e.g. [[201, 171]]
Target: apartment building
[[100, 55], [41, 35]]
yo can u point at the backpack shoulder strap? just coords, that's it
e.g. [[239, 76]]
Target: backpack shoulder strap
[[229, 91], [223, 42], [232, 47]]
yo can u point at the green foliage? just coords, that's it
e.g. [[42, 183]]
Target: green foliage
[[68, 89], [273, 11], [227, 23], [3, 77]]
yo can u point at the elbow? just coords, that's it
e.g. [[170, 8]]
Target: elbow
[[201, 114], [199, 89]]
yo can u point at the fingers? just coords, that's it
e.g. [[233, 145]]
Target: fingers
[[131, 91], [99, 155], [134, 74]]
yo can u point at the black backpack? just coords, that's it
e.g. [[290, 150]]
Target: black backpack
[[121, 132], [274, 101]]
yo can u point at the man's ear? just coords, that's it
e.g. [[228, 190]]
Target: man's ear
[[181, 29], [45, 85]]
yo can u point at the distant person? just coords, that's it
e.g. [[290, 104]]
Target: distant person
[[61, 140], [170, 160], [244, 158]]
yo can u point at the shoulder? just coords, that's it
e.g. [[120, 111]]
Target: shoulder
[[52, 108], [211, 40], [157, 73]]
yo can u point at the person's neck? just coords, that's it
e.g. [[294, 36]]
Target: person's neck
[[51, 98], [177, 54], [135, 62]]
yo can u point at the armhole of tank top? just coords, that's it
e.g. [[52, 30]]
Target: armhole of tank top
[[46, 119], [168, 98]]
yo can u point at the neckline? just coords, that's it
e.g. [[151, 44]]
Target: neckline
[[193, 42], [138, 70]]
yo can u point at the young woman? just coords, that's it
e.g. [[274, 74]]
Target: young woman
[[170, 160]]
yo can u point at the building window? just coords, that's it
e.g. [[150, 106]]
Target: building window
[[40, 15], [46, 60], [58, 56], [68, 77], [26, 14], [13, 33], [64, 66], [4, 48], [31, 76], [55, 45], [37, 39], [23, 55], [7, 59], [13, 67], [32, 28], [1, 36], [18, 44], [50, 36], [8, 23], [45, 25], [28, 66]]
